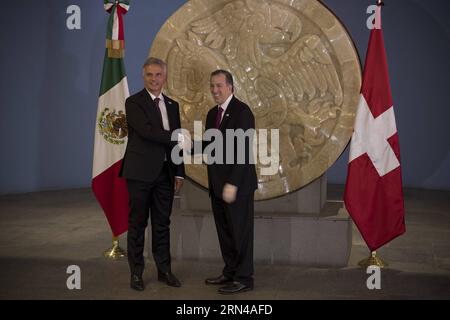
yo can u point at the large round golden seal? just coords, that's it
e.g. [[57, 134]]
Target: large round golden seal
[[293, 63]]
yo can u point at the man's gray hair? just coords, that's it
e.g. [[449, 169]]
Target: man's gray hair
[[153, 60]]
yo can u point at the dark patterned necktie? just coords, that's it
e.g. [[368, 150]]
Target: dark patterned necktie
[[219, 117], [156, 101]]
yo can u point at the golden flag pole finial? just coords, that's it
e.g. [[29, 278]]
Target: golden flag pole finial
[[115, 252], [373, 260]]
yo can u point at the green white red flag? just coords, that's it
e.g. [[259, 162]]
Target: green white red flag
[[111, 129]]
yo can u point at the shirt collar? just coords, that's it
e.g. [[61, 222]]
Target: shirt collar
[[154, 97], [224, 105]]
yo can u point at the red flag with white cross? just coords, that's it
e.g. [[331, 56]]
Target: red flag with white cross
[[373, 191]]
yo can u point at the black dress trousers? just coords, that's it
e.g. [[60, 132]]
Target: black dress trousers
[[156, 197]]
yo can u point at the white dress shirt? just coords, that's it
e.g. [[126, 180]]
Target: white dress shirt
[[165, 117], [163, 109]]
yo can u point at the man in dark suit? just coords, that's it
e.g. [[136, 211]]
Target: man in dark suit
[[232, 187], [152, 178]]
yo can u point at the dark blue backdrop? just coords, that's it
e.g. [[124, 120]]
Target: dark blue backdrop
[[50, 78]]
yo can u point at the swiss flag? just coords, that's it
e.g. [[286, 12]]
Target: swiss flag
[[373, 191]]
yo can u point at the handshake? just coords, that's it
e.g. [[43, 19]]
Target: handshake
[[185, 142]]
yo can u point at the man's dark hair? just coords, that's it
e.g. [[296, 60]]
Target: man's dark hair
[[228, 77]]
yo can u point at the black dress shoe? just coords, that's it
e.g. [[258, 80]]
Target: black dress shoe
[[137, 283], [236, 287], [219, 280], [169, 279]]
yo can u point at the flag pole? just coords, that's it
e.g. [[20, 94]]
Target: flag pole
[[115, 252], [391, 212], [373, 259], [109, 145]]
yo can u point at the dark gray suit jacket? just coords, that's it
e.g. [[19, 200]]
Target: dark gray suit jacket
[[238, 115], [148, 142]]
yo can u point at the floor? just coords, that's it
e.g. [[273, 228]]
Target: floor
[[43, 233]]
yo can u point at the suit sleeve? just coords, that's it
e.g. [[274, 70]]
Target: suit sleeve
[[246, 121], [180, 168], [138, 120]]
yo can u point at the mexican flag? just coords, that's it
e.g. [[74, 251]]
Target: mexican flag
[[110, 126]]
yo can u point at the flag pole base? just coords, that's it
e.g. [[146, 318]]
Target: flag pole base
[[115, 252], [373, 260]]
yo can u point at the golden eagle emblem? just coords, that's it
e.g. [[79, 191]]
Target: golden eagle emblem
[[293, 63], [113, 125]]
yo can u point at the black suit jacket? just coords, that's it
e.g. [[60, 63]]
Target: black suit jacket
[[237, 116], [148, 142]]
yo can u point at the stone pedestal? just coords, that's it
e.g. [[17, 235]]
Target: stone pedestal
[[279, 239], [309, 199], [319, 237]]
